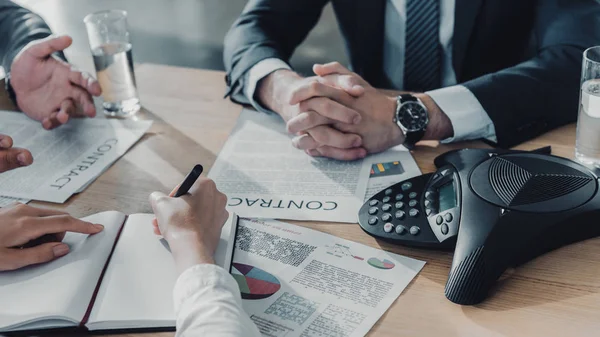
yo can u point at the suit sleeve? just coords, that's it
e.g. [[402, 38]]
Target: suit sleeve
[[18, 27], [542, 93], [266, 29]]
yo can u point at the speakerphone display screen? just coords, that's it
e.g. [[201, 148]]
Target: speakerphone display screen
[[447, 197]]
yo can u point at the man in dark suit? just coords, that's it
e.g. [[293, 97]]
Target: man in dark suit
[[501, 70], [39, 80]]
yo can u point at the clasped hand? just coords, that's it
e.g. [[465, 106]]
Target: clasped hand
[[338, 114]]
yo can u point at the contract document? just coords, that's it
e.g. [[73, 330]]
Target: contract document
[[264, 176], [297, 282], [67, 158]]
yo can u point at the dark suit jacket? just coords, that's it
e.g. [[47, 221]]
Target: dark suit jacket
[[521, 58], [18, 27]]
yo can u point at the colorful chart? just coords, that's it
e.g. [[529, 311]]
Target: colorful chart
[[254, 283], [377, 263], [386, 169]]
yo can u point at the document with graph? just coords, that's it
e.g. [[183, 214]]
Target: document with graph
[[264, 176], [297, 282]]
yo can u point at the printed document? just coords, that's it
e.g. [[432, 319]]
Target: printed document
[[389, 168], [297, 282], [264, 176], [6, 201], [67, 158]]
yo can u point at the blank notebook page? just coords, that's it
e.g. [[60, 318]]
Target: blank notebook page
[[62, 289], [138, 284]]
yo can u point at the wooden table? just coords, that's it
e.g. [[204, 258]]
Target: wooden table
[[557, 294]]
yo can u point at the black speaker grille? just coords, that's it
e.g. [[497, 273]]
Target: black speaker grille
[[507, 179], [545, 187], [468, 282], [516, 186]]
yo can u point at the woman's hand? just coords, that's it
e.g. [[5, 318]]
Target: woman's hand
[[191, 224], [20, 224]]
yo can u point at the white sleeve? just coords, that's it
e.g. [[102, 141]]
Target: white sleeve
[[259, 71], [208, 303], [468, 117]]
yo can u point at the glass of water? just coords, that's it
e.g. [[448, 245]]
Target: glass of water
[[587, 149], [111, 49]]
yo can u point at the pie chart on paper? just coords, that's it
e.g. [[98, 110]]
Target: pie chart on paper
[[254, 283], [381, 264]]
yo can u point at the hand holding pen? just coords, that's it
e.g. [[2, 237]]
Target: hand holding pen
[[191, 221]]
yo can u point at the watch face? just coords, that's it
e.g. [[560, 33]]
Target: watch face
[[412, 116]]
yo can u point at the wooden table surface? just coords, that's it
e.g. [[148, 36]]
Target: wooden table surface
[[557, 294]]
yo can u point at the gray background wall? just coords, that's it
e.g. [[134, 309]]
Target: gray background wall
[[186, 33]]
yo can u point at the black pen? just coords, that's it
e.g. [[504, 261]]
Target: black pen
[[189, 181], [185, 186]]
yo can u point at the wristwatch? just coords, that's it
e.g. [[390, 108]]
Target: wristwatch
[[9, 89], [412, 117]]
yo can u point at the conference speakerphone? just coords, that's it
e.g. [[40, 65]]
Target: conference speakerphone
[[498, 209]]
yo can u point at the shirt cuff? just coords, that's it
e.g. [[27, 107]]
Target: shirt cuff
[[201, 276], [468, 117], [259, 71]]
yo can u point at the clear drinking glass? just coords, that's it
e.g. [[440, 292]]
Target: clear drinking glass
[[587, 149], [111, 49]]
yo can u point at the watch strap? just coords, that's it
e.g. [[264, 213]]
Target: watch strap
[[413, 138], [9, 89]]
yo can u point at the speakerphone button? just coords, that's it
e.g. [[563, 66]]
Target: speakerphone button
[[400, 230], [439, 220], [386, 207], [373, 221], [448, 217], [388, 227], [406, 186], [386, 217], [412, 203], [415, 230], [400, 215], [373, 203], [444, 229], [413, 212], [385, 199], [373, 210]]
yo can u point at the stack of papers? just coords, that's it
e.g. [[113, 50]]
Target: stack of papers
[[67, 159]]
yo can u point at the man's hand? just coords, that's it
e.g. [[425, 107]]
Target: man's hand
[[50, 90], [191, 224], [10, 157], [317, 106], [22, 224], [377, 128]]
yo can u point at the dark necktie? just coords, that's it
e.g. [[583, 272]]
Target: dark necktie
[[422, 58]]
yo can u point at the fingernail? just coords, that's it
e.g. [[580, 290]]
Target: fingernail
[[98, 226], [22, 159], [60, 250], [357, 87], [357, 119], [4, 143], [357, 142]]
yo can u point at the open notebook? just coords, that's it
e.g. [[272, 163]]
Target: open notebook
[[121, 278]]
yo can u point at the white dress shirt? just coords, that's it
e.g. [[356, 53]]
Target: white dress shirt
[[468, 117], [208, 303]]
